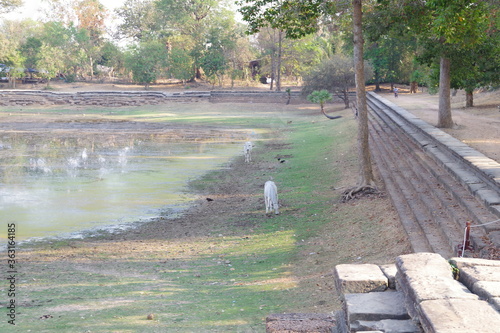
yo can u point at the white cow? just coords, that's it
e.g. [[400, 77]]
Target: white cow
[[271, 197], [247, 149]]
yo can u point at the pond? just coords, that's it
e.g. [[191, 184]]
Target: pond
[[63, 185]]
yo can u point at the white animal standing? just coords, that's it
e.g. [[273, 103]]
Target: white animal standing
[[271, 197], [247, 149]]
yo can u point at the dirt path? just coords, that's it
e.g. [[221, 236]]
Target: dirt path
[[478, 127]]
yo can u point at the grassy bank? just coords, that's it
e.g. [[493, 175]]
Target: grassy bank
[[225, 265]]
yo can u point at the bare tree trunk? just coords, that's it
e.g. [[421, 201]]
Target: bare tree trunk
[[469, 98], [273, 65], [91, 68], [366, 178], [278, 70], [444, 116], [346, 97]]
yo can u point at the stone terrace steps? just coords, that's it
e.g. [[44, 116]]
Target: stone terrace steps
[[435, 196], [138, 98], [426, 297], [480, 174]]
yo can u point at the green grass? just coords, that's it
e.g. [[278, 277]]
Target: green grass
[[226, 283]]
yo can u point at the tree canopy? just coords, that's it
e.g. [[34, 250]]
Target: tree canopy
[[406, 40], [9, 5]]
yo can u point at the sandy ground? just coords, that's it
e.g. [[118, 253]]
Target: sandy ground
[[478, 127]]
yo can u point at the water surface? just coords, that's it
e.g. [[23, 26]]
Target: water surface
[[63, 185]]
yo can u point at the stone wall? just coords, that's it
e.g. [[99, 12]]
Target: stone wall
[[137, 98]]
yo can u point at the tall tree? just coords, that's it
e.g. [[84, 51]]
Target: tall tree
[[57, 35], [443, 26], [180, 64], [13, 34], [50, 62], [190, 18], [140, 20], [271, 43], [299, 18], [367, 179], [334, 74], [31, 49], [147, 61], [482, 68], [85, 19]]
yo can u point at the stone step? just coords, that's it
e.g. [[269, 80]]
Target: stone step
[[451, 201], [418, 189], [458, 316], [354, 279], [375, 306], [466, 163], [427, 276], [482, 277], [427, 297], [386, 325]]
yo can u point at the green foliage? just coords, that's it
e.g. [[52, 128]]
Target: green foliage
[[319, 97], [302, 55], [70, 77], [180, 65], [296, 17], [463, 31], [391, 58], [334, 74], [213, 64], [459, 22], [140, 20], [50, 62], [111, 55], [146, 62], [30, 50]]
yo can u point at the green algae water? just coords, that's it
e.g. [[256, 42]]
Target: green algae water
[[62, 186]]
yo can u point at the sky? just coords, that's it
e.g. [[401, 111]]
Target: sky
[[31, 9]]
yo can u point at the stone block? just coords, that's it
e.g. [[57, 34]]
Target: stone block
[[458, 316], [375, 306], [427, 276], [469, 275], [300, 322], [486, 290], [362, 278], [432, 263], [387, 326], [495, 302], [390, 272], [468, 262]]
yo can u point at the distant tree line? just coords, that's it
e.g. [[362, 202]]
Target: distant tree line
[[406, 42]]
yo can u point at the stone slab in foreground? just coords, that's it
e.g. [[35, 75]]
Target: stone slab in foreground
[[375, 306], [361, 278], [458, 316], [428, 276]]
